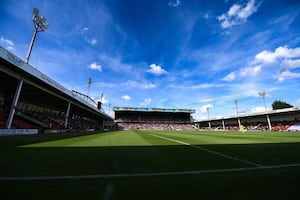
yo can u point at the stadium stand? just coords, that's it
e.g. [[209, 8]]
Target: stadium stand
[[153, 118], [30, 99], [280, 120]]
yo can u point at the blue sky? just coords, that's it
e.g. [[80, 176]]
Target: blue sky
[[165, 53]]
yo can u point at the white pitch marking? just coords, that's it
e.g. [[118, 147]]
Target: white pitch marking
[[108, 192], [150, 174], [210, 151]]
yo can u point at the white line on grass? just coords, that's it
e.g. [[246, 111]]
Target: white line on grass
[[108, 192], [207, 150], [95, 176]]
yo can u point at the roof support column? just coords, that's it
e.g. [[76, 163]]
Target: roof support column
[[67, 115], [14, 103], [269, 122], [223, 123]]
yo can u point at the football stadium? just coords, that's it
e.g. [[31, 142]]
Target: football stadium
[[58, 143]]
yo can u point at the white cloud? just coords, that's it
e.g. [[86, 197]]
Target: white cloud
[[6, 41], [265, 57], [95, 66], [268, 57], [175, 3], [258, 109], [206, 16], [230, 77], [237, 14], [290, 64], [148, 86], [8, 44], [250, 71], [10, 48], [156, 69], [146, 102], [287, 58], [286, 66], [82, 30], [126, 97], [136, 84], [205, 107], [92, 42], [244, 72], [286, 74]]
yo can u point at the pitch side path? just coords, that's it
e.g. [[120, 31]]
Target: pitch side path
[[151, 165]]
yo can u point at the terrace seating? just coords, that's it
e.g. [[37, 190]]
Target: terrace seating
[[155, 126], [2, 119], [34, 119], [17, 122], [21, 124]]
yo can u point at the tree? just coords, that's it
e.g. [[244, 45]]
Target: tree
[[277, 104]]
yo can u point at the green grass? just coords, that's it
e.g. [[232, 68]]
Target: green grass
[[132, 152]]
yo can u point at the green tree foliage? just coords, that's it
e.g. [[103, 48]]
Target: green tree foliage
[[277, 104]]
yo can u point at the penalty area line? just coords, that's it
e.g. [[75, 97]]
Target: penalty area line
[[207, 150], [153, 174]]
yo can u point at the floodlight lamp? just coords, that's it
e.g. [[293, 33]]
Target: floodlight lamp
[[36, 12], [43, 19], [38, 23], [262, 94], [45, 26]]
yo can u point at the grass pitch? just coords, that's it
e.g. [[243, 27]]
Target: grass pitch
[[151, 165]]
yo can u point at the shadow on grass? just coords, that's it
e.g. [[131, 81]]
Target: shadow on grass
[[64, 161], [261, 184], [19, 140]]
